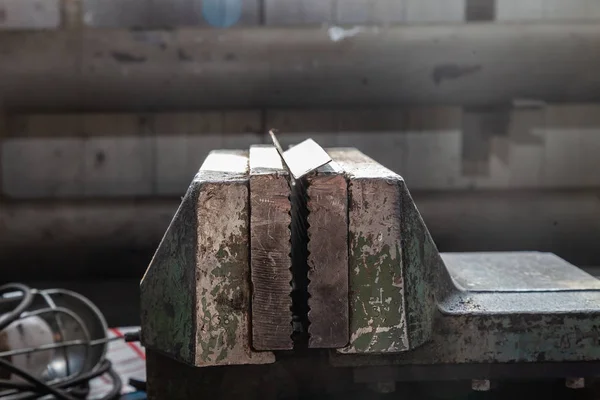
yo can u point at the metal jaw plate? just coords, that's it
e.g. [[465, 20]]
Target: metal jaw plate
[[196, 293], [327, 205], [270, 250]]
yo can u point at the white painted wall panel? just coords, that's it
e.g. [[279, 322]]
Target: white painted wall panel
[[590, 157], [519, 10], [179, 157], [571, 9], [433, 159], [562, 161], [171, 167], [113, 14], [42, 167], [119, 166], [360, 12], [30, 14], [44, 14], [298, 12], [389, 11], [170, 13], [526, 163], [435, 11]]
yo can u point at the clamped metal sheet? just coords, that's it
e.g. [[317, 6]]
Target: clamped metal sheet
[[303, 158]]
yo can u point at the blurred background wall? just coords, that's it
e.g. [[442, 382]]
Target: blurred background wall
[[488, 108]]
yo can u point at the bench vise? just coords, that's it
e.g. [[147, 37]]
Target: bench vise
[[273, 284]]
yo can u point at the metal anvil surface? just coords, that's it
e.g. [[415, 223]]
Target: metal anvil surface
[[258, 267]]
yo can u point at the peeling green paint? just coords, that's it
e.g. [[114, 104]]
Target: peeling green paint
[[394, 269], [195, 295], [223, 276], [424, 272], [377, 320], [167, 292]]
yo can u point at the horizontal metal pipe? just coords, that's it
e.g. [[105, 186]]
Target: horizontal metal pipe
[[468, 64], [118, 238]]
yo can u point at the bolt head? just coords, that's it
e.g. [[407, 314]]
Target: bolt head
[[575, 383], [481, 385]]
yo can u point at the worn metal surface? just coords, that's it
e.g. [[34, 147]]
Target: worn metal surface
[[426, 278], [195, 295], [405, 308], [144, 70], [378, 321], [270, 250], [327, 203], [564, 336], [395, 269], [505, 327], [529, 271], [168, 288], [222, 270], [447, 325]]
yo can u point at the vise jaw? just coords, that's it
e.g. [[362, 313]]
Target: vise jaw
[[257, 262]]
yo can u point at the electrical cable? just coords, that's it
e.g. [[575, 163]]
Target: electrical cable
[[81, 392], [83, 378], [34, 381], [104, 368], [27, 299]]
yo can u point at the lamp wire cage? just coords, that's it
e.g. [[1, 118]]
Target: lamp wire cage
[[58, 328]]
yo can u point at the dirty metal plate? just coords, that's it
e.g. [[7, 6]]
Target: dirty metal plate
[[304, 157], [270, 250], [516, 272], [222, 269], [327, 202], [377, 295]]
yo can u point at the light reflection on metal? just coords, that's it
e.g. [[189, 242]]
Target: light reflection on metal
[[302, 158], [59, 345]]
